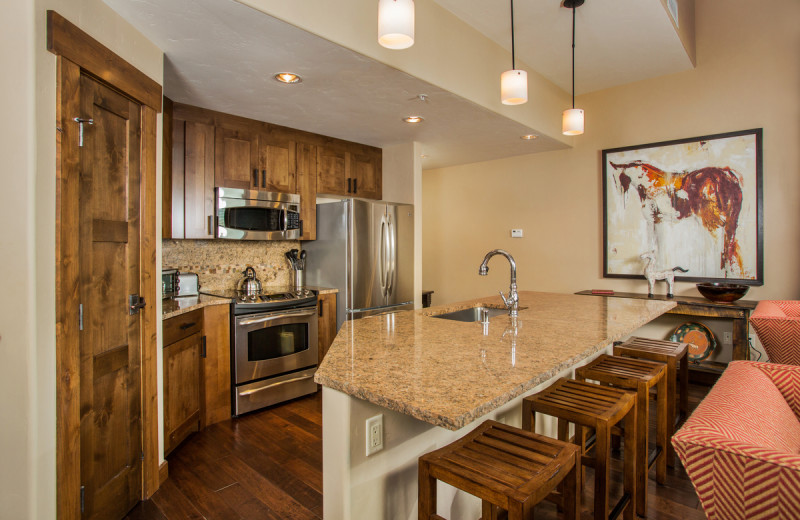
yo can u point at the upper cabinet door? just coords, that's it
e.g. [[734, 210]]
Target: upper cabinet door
[[366, 171], [198, 180], [277, 171], [237, 162], [332, 171], [307, 188]]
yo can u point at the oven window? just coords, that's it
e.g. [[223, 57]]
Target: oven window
[[254, 219], [277, 341]]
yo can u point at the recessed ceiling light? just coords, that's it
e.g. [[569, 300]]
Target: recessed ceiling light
[[288, 77], [413, 119], [528, 137]]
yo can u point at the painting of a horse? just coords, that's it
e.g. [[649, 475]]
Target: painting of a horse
[[696, 202], [712, 194]]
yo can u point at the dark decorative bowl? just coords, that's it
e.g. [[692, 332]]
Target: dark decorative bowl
[[722, 292]]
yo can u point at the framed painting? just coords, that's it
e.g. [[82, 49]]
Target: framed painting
[[695, 204]]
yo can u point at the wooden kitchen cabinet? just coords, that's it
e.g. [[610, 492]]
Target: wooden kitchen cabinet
[[277, 163], [216, 364], [192, 180], [237, 158], [183, 345], [307, 189], [355, 171], [366, 172], [326, 328]]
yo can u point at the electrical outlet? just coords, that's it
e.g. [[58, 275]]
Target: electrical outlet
[[374, 434], [516, 233], [727, 338]]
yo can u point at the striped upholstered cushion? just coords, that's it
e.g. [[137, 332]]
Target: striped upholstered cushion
[[787, 379], [777, 323], [740, 446]]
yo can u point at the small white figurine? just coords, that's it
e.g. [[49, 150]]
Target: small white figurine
[[652, 275]]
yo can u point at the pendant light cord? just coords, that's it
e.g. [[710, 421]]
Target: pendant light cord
[[513, 62], [573, 56]]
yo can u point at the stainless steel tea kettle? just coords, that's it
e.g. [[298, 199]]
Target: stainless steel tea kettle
[[249, 284]]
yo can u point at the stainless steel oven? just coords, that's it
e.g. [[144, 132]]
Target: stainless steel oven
[[273, 346], [257, 215]]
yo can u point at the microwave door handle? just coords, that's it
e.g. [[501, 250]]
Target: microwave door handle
[[285, 220]]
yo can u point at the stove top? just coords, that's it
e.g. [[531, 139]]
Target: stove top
[[270, 298]]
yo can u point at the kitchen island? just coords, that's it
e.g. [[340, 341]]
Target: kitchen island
[[434, 380]]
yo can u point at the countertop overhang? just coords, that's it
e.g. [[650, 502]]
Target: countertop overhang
[[450, 373]]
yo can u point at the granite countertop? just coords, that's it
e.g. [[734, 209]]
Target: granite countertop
[[176, 306], [450, 373]]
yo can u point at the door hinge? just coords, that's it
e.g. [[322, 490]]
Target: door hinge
[[135, 303], [80, 122], [80, 316], [141, 457], [83, 498]]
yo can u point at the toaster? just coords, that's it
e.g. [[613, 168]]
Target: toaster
[[188, 284], [169, 283]]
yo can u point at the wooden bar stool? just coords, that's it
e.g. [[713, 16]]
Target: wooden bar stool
[[506, 468], [671, 354], [588, 405], [639, 376]]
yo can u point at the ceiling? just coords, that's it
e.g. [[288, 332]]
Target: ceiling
[[222, 55]]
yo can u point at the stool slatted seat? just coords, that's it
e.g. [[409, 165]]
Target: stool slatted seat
[[589, 405], [506, 468], [639, 376]]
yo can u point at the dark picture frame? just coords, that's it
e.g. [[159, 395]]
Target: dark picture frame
[[697, 202]]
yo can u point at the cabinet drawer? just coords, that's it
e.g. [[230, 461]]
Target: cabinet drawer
[[183, 326]]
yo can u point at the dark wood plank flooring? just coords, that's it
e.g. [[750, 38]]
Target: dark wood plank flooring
[[268, 465]]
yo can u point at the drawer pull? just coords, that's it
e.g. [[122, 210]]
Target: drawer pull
[[189, 325]]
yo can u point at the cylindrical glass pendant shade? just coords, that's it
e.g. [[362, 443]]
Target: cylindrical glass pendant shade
[[514, 87], [396, 23], [572, 122]]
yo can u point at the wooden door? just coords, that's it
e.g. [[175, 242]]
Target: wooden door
[[198, 180], [332, 174], [307, 188], [276, 163], [365, 169], [109, 271], [236, 159]]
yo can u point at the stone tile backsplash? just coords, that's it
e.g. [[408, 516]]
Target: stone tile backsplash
[[219, 263]]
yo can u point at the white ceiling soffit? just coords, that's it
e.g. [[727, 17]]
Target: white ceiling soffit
[[222, 55], [617, 41]]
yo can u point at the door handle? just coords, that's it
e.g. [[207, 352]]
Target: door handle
[[211, 225], [263, 178], [135, 302], [355, 186], [255, 177], [349, 185]]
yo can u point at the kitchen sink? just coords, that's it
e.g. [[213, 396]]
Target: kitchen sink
[[472, 314]]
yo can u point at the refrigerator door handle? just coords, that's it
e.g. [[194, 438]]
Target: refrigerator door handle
[[382, 252], [392, 255]]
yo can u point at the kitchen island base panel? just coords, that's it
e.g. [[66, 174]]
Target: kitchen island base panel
[[384, 485]]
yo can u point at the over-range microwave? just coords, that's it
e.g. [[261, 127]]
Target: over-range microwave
[[256, 215]]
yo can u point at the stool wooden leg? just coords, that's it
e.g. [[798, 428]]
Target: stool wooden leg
[[642, 452], [684, 406], [602, 455], [488, 511], [571, 491], [629, 468], [427, 492], [662, 441], [671, 392], [528, 421]]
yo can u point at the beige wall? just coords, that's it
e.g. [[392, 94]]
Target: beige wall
[[747, 76], [27, 242]]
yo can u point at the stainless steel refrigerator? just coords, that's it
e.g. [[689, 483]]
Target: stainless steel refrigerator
[[366, 250]]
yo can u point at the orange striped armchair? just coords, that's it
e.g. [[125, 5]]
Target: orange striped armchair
[[741, 446], [777, 323]]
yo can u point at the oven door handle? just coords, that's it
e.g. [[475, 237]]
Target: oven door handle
[[271, 317], [293, 380]]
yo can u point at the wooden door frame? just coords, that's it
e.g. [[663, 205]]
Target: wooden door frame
[[78, 53]]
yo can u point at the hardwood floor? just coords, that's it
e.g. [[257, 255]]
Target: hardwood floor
[[268, 465]]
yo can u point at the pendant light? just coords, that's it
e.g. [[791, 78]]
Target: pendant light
[[572, 119], [396, 23], [513, 83]]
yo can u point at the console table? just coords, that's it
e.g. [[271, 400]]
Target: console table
[[738, 311]]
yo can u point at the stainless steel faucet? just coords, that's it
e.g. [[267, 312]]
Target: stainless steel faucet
[[512, 301]]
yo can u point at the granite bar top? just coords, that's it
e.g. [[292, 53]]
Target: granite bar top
[[450, 373]]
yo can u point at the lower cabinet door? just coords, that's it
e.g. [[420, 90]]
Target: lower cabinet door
[[181, 390]]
